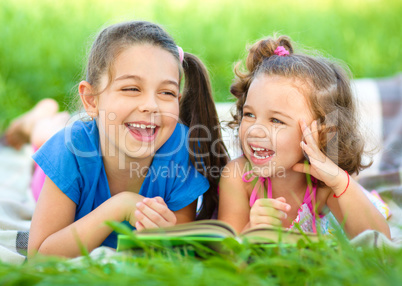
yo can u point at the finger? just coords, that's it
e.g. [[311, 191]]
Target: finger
[[261, 225], [157, 213], [304, 128], [144, 220], [310, 146], [260, 220], [161, 209], [279, 205], [309, 137], [281, 199], [314, 129], [313, 152], [271, 212], [303, 168], [139, 226], [160, 200]]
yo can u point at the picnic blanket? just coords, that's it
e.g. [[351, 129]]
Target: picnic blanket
[[16, 203], [381, 106]]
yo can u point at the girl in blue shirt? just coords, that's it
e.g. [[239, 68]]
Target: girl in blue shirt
[[144, 156]]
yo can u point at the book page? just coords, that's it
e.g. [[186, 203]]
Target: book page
[[276, 234], [211, 228]]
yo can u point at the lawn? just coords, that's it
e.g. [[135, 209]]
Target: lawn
[[43, 46], [44, 43], [318, 264]]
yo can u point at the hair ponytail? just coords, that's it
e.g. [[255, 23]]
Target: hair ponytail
[[198, 112], [262, 50]]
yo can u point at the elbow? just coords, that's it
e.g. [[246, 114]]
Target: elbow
[[385, 230], [381, 228], [32, 252]]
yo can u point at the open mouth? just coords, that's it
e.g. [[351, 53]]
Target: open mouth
[[261, 153], [143, 132]]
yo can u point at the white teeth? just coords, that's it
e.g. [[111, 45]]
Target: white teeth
[[258, 149], [261, 157], [142, 126]]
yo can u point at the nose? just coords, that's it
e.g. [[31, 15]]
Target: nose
[[258, 131], [149, 103]]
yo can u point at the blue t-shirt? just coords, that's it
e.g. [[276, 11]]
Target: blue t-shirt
[[72, 160]]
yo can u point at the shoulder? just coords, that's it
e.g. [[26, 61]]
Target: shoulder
[[77, 143], [71, 158], [78, 138], [82, 138], [232, 175], [235, 167]]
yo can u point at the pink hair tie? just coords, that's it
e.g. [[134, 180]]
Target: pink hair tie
[[281, 51], [181, 54]]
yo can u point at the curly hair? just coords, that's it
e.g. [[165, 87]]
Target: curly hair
[[328, 95]]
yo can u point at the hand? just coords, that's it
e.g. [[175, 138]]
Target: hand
[[153, 213], [266, 212], [320, 167]]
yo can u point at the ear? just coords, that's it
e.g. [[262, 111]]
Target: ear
[[89, 100], [179, 97]]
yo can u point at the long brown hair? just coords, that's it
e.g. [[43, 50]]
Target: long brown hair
[[328, 94], [197, 108]]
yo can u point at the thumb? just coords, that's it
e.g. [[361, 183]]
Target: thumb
[[301, 168], [160, 200], [282, 199]]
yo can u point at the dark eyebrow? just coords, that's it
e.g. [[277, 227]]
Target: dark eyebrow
[[136, 77]]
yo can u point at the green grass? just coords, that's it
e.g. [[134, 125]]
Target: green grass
[[320, 264], [44, 43], [42, 53]]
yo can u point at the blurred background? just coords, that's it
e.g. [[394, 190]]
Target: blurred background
[[43, 43]]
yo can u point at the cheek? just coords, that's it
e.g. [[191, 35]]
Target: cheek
[[242, 132], [289, 140], [170, 113]]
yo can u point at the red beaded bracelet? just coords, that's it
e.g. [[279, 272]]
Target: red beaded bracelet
[[346, 186]]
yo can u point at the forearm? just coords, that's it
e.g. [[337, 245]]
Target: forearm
[[89, 231], [358, 212]]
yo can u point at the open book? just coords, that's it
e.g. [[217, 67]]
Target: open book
[[209, 232]]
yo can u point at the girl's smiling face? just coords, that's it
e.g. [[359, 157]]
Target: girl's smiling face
[[270, 133], [139, 109]]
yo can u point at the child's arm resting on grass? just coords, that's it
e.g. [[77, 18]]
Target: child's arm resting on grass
[[354, 206], [54, 232]]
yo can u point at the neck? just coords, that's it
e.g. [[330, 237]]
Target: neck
[[291, 184], [125, 173]]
